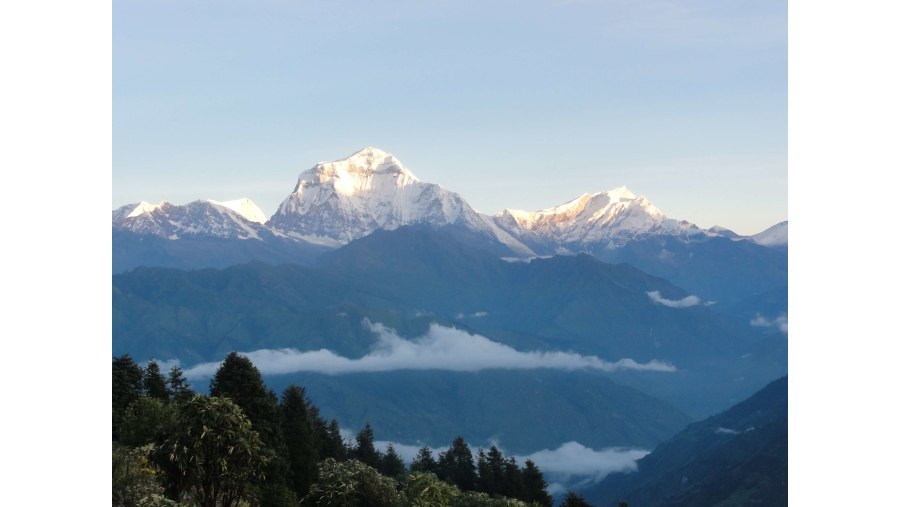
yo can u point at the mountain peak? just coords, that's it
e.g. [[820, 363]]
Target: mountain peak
[[364, 170], [619, 193], [244, 207]]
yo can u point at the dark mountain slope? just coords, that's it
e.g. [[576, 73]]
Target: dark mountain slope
[[416, 275], [523, 410], [737, 457]]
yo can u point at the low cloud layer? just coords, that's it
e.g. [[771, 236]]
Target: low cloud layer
[[684, 302], [476, 315], [781, 322], [441, 348], [569, 465], [574, 464]]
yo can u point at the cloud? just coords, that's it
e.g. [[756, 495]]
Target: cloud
[[781, 322], [573, 462], [164, 365], [569, 465], [476, 315], [441, 348], [674, 303]]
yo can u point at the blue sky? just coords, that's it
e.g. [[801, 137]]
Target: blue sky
[[521, 104]]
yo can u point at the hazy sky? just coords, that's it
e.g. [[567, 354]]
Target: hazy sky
[[512, 104]]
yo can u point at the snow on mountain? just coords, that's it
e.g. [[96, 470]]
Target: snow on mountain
[[613, 217], [777, 235], [239, 219], [371, 189], [336, 202], [718, 230], [246, 208]]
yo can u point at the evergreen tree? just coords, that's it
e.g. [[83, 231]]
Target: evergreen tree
[[423, 462], [154, 383], [300, 437], [127, 380], [391, 464], [513, 485], [493, 473], [178, 386], [574, 500], [365, 447], [485, 481], [147, 421], [535, 485], [238, 379], [333, 446], [456, 465]]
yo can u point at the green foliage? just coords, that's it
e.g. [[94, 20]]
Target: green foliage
[[147, 420], [391, 464], [301, 438], [479, 499], [127, 380], [178, 386], [513, 484], [332, 442], [217, 452], [491, 468], [352, 484], [573, 499], [456, 466], [365, 447], [154, 383], [424, 461], [426, 490], [238, 379], [535, 485], [135, 481]]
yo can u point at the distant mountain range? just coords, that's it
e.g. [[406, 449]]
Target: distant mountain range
[[738, 457], [334, 203], [417, 275], [606, 278]]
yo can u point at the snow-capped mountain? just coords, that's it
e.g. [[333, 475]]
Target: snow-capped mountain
[[238, 219], [611, 218], [369, 190], [334, 203], [725, 232], [777, 235]]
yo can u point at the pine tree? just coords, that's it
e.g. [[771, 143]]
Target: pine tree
[[154, 383], [535, 485], [423, 462], [127, 385], [334, 446], [574, 500], [513, 485], [491, 472], [178, 386], [300, 437], [239, 380], [391, 464], [456, 465], [365, 447]]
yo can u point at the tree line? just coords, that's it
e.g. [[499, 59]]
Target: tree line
[[241, 445]]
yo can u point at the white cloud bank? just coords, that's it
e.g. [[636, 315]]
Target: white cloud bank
[[441, 348], [684, 302], [574, 464], [569, 465], [781, 322]]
